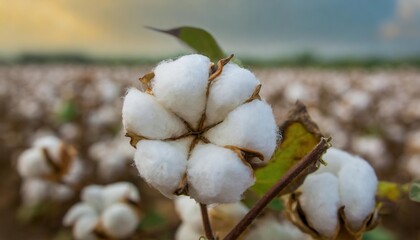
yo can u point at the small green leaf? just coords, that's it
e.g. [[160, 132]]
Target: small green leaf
[[276, 205], [300, 136], [152, 220], [379, 233], [391, 191], [67, 112], [415, 191], [198, 39]]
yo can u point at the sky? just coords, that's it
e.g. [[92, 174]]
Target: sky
[[251, 28]]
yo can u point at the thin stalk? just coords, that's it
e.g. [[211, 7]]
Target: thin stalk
[[206, 222], [294, 172]]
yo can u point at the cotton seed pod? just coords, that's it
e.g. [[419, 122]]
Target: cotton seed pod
[[162, 164], [181, 85], [119, 220], [217, 174], [144, 116], [337, 200], [250, 126], [199, 103]]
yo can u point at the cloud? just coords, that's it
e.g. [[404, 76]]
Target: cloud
[[406, 21]]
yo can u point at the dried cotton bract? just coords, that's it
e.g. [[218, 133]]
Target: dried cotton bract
[[110, 212], [336, 200], [50, 170], [199, 128]]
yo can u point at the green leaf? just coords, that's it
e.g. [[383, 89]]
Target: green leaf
[[391, 191], [67, 112], [152, 220], [379, 234], [415, 191], [198, 39], [300, 136]]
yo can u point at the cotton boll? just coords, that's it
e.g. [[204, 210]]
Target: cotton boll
[[358, 184], [77, 211], [181, 86], [84, 228], [32, 163], [60, 192], [162, 164], [93, 195], [335, 159], [52, 144], [189, 211], [144, 116], [75, 172], [217, 175], [119, 220], [233, 87], [320, 201], [271, 229], [250, 126], [119, 191], [34, 191], [187, 232]]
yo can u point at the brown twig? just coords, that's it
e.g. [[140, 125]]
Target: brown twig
[[309, 159], [206, 222]]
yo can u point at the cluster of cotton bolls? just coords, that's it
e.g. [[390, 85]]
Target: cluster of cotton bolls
[[224, 217], [50, 170], [106, 212], [198, 128], [340, 193], [112, 157]]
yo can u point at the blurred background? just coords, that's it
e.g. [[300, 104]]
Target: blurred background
[[65, 65]]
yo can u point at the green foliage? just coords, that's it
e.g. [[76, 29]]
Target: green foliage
[[152, 220], [378, 234], [67, 112], [198, 39], [300, 136], [415, 191], [391, 191]]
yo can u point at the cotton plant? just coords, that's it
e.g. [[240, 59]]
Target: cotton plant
[[105, 212], [338, 199], [50, 170], [199, 128], [112, 157]]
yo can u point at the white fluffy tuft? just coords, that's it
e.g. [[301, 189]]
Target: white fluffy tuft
[[34, 191], [217, 175], [187, 232], [189, 212], [144, 116], [32, 164], [232, 88], [250, 126], [320, 201], [119, 220], [84, 228], [180, 85], [162, 164], [119, 191], [93, 195], [78, 211]]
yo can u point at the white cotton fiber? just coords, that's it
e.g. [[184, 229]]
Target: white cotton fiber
[[32, 164], [187, 232], [217, 175], [335, 159], [93, 195], [233, 87], [119, 191], [250, 126], [78, 211], [52, 144], [358, 184], [320, 201], [84, 228], [272, 229], [189, 212], [34, 191], [162, 164], [75, 172], [60, 192], [119, 220], [144, 116], [181, 86]]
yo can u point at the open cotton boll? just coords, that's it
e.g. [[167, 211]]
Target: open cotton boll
[[52, 144], [217, 175], [181, 86], [187, 232], [335, 159], [250, 126], [358, 184], [84, 228], [162, 164], [119, 191], [189, 211], [32, 164], [320, 201], [34, 191], [232, 88], [119, 220], [77, 211], [75, 172], [144, 116], [93, 195]]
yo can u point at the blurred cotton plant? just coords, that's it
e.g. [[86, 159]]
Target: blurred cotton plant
[[338, 200], [199, 128], [50, 170], [106, 212]]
